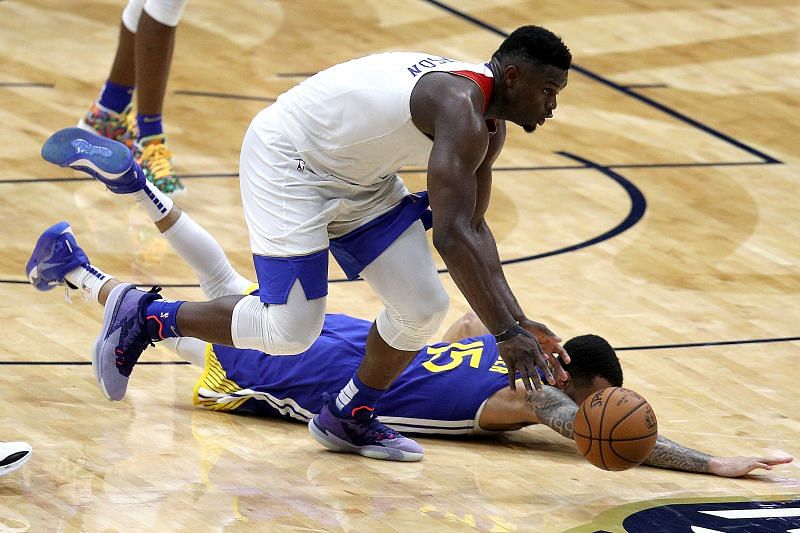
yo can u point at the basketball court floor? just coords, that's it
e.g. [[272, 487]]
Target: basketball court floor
[[659, 209]]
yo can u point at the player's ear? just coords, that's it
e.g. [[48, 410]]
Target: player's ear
[[511, 76]]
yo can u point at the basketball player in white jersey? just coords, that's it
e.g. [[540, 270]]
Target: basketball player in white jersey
[[318, 173]]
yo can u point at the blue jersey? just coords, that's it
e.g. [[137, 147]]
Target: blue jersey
[[441, 391]]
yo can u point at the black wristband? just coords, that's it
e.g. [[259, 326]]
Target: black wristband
[[513, 331]]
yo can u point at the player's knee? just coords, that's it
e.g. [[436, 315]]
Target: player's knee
[[131, 14], [410, 329], [166, 12], [276, 329]]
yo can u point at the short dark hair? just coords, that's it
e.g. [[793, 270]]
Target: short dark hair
[[534, 44], [591, 356]]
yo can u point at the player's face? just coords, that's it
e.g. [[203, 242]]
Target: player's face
[[532, 93], [578, 394]]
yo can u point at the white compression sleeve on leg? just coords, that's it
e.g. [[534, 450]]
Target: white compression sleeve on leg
[[206, 257], [188, 348], [278, 329], [166, 12], [404, 278], [131, 14]]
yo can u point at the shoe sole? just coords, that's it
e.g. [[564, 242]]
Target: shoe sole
[[16, 466], [115, 296], [84, 150], [335, 444], [32, 267]]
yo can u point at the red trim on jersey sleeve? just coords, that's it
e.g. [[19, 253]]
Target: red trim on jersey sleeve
[[485, 84]]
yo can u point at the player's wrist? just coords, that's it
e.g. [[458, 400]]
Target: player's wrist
[[510, 332]]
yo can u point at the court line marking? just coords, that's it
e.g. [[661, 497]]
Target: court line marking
[[225, 175], [26, 84], [231, 96], [708, 343]]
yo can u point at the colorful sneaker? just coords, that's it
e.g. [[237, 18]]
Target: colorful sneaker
[[56, 253], [155, 159], [123, 338], [13, 455], [108, 161], [120, 127], [364, 435]]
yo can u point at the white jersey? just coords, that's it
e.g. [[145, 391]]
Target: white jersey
[[353, 120]]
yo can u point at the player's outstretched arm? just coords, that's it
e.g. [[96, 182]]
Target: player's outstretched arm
[[673, 456], [557, 410]]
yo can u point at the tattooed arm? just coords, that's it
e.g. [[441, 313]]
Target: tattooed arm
[[557, 410], [554, 409], [673, 456]]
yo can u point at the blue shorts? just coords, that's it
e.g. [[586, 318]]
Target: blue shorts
[[353, 251], [441, 391]]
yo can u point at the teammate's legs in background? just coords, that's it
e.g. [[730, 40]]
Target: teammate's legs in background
[[143, 59], [110, 115], [155, 42]]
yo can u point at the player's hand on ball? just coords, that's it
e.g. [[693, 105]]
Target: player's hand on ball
[[551, 346], [741, 466], [523, 354]]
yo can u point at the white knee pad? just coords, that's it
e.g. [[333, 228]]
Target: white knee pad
[[286, 329], [167, 12], [410, 329], [131, 14]]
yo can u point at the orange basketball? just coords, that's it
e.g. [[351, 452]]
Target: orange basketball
[[615, 429]]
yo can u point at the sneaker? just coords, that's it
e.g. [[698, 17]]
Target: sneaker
[[123, 338], [13, 455], [155, 159], [364, 435], [56, 253], [120, 127], [108, 161]]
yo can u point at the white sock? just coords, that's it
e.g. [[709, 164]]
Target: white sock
[[204, 254], [156, 203], [89, 279]]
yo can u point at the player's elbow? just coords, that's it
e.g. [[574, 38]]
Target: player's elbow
[[446, 239]]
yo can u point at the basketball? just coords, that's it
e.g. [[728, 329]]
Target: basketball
[[615, 429]]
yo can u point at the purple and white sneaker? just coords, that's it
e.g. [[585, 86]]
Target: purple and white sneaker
[[364, 434], [109, 161], [123, 338], [55, 255]]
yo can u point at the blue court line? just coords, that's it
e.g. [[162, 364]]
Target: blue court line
[[223, 95], [710, 343], [624, 89], [620, 349], [638, 206]]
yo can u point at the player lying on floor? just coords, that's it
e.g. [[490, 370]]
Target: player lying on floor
[[454, 387]]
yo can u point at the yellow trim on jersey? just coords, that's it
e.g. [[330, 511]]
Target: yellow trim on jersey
[[250, 288], [215, 380]]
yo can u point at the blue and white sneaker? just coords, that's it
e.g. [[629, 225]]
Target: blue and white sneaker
[[364, 434], [109, 161], [123, 338], [56, 253]]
